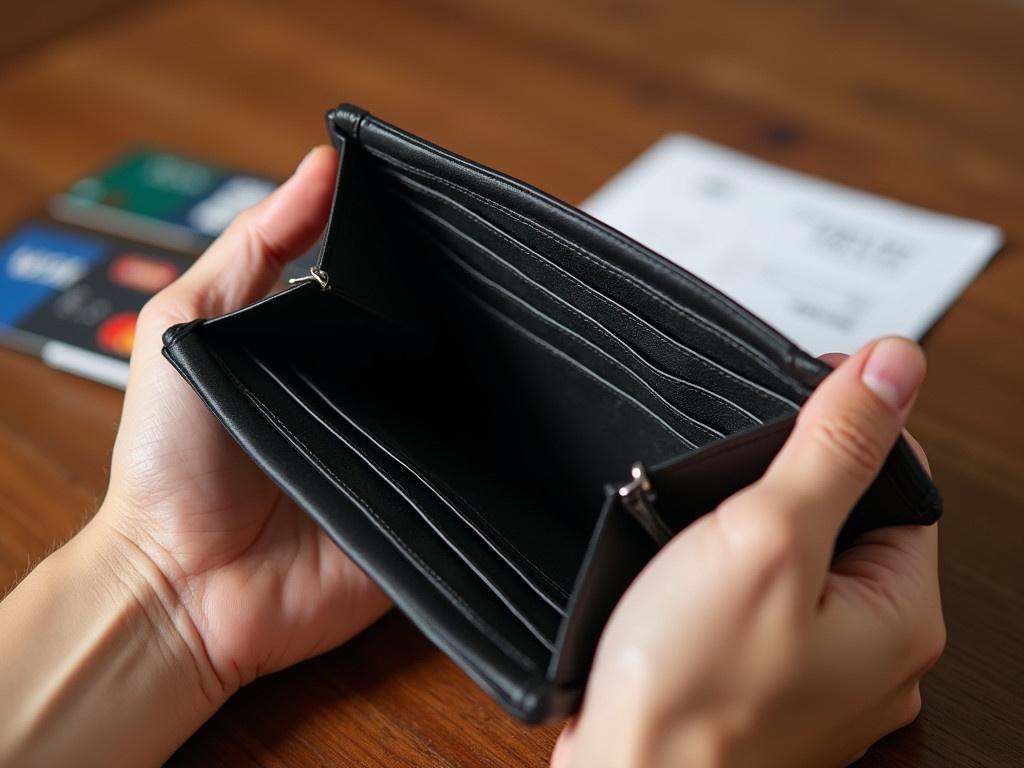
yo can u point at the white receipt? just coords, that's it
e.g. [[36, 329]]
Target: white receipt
[[829, 266]]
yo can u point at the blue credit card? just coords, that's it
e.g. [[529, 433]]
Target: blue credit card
[[72, 297], [37, 262]]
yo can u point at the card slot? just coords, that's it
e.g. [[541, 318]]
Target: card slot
[[542, 584], [618, 283], [540, 618], [713, 411], [388, 507], [699, 433], [472, 293], [518, 594], [669, 358]]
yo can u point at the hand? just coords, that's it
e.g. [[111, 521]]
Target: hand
[[742, 643], [253, 583], [196, 575]]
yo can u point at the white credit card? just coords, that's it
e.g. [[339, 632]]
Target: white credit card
[[829, 266]]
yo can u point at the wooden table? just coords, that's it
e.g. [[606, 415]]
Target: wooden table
[[918, 100]]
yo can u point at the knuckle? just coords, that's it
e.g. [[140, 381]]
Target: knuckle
[[157, 312], [633, 671], [922, 644], [244, 220], [932, 643], [254, 235], [908, 707], [778, 542], [849, 438], [164, 309], [154, 308], [154, 313], [766, 535]]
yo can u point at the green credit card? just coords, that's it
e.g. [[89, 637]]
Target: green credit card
[[161, 197]]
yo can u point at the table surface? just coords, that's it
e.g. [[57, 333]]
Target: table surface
[[917, 100]]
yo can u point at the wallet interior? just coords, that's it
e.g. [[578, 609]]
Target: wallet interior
[[458, 404]]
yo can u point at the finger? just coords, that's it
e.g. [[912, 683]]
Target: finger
[[884, 594], [833, 359], [561, 756], [918, 451], [842, 437], [898, 564], [856, 759], [245, 262]]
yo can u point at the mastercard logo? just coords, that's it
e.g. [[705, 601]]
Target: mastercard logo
[[117, 334]]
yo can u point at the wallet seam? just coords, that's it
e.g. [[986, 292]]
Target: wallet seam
[[595, 325], [464, 607], [740, 346], [642, 326]]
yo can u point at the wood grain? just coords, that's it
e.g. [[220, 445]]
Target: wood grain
[[916, 100]]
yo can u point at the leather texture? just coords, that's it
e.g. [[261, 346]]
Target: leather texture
[[459, 407]]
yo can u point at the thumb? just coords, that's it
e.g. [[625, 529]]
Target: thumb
[[561, 756], [842, 437], [245, 262]]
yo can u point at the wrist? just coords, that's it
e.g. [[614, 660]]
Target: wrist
[[162, 573], [106, 671], [148, 600]]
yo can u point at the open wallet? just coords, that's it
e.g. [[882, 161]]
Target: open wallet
[[500, 408]]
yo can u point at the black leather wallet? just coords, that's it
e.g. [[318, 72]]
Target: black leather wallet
[[500, 408]]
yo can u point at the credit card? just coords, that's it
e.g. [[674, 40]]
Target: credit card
[[72, 297], [167, 199], [72, 287], [161, 197]]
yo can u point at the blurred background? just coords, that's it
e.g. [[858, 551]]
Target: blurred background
[[919, 101]]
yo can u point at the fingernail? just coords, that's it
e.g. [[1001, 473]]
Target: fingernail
[[894, 371]]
